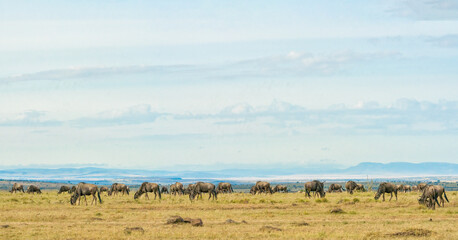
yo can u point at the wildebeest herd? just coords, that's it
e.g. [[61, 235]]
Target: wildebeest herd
[[429, 193]]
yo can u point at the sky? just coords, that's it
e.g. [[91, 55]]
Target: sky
[[198, 85]]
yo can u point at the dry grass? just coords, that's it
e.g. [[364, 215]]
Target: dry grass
[[288, 216]]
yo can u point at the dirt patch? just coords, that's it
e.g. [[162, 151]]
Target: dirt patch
[[270, 229], [5, 226], [413, 232], [134, 229]]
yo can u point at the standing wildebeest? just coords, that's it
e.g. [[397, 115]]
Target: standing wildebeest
[[263, 187], [253, 190], [17, 188], [176, 188], [421, 186], [104, 189], [429, 197], [400, 188], [118, 187], [164, 189], [407, 188], [33, 189], [224, 187], [360, 187], [280, 188], [63, 189], [334, 187], [201, 187], [189, 189], [72, 190], [314, 186], [385, 187], [414, 188], [433, 191], [350, 186], [83, 189], [147, 187]]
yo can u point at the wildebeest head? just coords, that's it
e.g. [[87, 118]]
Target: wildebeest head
[[73, 199], [136, 195], [192, 195]]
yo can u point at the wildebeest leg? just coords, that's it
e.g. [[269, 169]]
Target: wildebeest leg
[[392, 196], [85, 199], [396, 194], [383, 197], [146, 195], [442, 201]]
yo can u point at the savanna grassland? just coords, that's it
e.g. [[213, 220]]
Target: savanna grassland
[[286, 216]]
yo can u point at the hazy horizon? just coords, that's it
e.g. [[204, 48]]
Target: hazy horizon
[[162, 85]]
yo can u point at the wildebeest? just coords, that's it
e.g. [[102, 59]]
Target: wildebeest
[[253, 190], [385, 187], [407, 188], [176, 188], [314, 186], [201, 187], [421, 186], [431, 192], [334, 187], [350, 186], [118, 187], [263, 187], [280, 188], [360, 187], [72, 190], [17, 188], [83, 189], [429, 197], [224, 187], [189, 188], [104, 189], [400, 188], [33, 189], [414, 188], [63, 189], [147, 187], [164, 189]]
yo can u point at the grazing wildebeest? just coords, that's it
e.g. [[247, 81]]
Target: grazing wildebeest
[[360, 187], [63, 189], [421, 186], [334, 187], [438, 191], [414, 188], [400, 188], [253, 190], [104, 189], [350, 186], [263, 187], [314, 186], [201, 187], [176, 188], [164, 189], [385, 187], [17, 188], [224, 187], [83, 189], [147, 187], [73, 189], [118, 187], [33, 189], [429, 197], [407, 188], [280, 188], [189, 188]]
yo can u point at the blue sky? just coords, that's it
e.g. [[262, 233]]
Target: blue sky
[[180, 84]]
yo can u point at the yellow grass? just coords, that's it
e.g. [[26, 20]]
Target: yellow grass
[[50, 216]]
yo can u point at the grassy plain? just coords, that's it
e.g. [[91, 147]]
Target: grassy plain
[[292, 216]]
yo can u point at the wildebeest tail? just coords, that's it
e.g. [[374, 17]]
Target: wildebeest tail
[[98, 195], [445, 195], [159, 192]]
